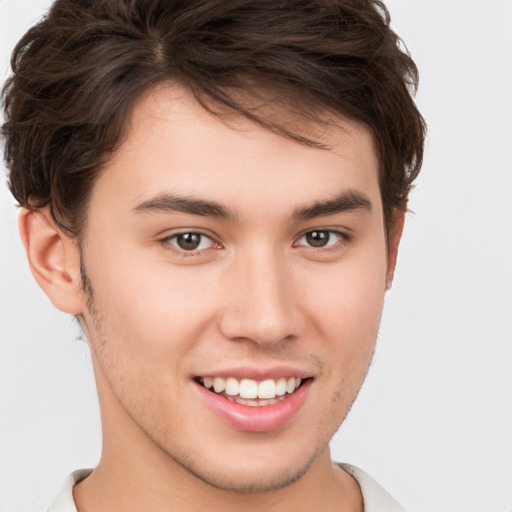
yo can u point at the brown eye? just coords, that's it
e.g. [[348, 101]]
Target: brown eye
[[321, 238], [318, 238], [190, 241]]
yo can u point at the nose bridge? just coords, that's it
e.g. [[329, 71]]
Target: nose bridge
[[263, 307]]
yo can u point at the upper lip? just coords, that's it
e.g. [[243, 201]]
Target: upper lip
[[258, 373]]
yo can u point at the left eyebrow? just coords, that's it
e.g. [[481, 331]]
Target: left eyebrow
[[346, 201], [168, 203]]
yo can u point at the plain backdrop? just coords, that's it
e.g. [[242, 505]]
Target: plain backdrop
[[433, 423]]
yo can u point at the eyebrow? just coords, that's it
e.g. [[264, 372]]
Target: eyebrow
[[349, 200], [166, 203]]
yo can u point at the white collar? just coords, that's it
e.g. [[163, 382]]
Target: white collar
[[64, 501], [375, 498]]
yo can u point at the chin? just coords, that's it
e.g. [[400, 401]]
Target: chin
[[251, 481]]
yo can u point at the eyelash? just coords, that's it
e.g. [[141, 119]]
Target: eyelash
[[342, 240], [168, 240]]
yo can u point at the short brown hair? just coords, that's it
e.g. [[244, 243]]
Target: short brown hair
[[78, 72]]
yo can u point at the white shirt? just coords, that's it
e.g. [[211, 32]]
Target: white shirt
[[375, 498]]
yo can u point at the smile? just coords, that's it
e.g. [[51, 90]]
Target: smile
[[266, 402], [251, 392]]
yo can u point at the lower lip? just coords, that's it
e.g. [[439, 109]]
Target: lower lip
[[263, 418]]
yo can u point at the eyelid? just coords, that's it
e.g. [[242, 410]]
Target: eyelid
[[166, 241], [343, 238]]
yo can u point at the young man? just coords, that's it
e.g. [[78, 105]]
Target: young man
[[216, 191]]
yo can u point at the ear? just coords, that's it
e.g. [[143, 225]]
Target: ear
[[54, 259], [395, 236]]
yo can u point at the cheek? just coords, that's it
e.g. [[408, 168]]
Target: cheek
[[154, 310], [345, 304], [349, 296], [150, 312]]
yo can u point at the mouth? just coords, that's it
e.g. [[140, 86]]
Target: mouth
[[251, 392], [262, 404]]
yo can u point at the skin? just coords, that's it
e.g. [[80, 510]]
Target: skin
[[256, 295]]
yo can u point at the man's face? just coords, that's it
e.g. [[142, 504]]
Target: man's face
[[223, 252]]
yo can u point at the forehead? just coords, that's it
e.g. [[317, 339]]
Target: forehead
[[174, 145]]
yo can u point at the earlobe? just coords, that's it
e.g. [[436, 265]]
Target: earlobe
[[54, 259], [395, 236]]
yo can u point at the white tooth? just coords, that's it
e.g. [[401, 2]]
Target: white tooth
[[267, 389], [219, 384], [208, 382], [281, 387], [248, 388], [297, 382], [290, 385], [232, 386]]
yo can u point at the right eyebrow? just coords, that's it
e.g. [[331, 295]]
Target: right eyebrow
[[174, 203], [349, 200]]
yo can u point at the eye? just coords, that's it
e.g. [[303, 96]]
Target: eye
[[190, 242], [320, 238]]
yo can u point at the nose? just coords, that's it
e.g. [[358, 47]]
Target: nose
[[263, 305]]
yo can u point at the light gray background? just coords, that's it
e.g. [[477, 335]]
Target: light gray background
[[433, 423]]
